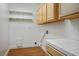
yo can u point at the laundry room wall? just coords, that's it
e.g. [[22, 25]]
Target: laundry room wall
[[4, 29]]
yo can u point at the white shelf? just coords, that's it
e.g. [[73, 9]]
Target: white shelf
[[20, 17], [21, 12]]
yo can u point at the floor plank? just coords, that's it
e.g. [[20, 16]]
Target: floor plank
[[34, 51]]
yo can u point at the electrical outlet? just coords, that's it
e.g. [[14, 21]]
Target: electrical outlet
[[35, 43], [46, 31], [19, 46]]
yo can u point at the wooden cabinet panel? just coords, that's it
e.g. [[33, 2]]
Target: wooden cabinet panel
[[50, 11], [54, 52], [44, 13], [39, 16], [56, 11], [53, 12]]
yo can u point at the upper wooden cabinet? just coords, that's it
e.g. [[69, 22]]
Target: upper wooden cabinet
[[69, 10], [52, 12], [49, 13]]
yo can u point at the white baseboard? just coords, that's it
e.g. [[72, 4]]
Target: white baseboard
[[6, 53]]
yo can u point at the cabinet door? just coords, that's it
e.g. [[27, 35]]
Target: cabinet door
[[50, 11], [44, 13], [38, 20], [39, 16]]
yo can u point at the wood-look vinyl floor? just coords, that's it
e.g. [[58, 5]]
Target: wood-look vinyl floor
[[34, 51]]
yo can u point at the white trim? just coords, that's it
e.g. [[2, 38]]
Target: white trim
[[7, 52], [45, 51]]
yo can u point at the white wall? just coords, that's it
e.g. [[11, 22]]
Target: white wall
[[72, 29], [4, 39], [27, 32], [55, 30], [69, 29], [24, 30]]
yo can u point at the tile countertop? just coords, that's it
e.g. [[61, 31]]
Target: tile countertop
[[67, 46]]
